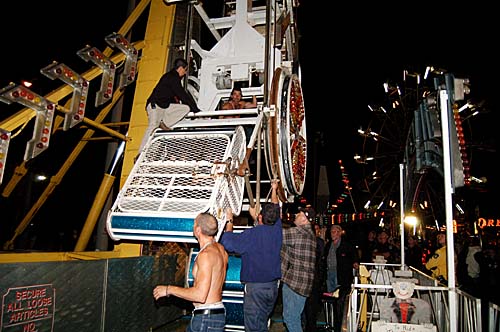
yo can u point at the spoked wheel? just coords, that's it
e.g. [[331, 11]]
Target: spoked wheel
[[408, 132], [383, 148], [286, 141]]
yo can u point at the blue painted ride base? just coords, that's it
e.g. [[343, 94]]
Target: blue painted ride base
[[152, 228]]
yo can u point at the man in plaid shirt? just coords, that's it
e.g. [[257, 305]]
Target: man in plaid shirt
[[298, 257]]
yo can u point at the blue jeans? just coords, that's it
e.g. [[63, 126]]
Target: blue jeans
[[293, 304], [207, 323], [331, 280], [258, 304]]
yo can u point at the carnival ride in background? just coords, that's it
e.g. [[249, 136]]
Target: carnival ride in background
[[407, 130]]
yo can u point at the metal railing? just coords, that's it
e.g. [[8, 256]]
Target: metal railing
[[362, 306]]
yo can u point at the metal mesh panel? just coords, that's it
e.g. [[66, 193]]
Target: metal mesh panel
[[179, 175], [174, 174], [233, 186]]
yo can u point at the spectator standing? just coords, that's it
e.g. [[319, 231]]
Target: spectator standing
[[437, 264], [169, 102], [259, 248], [384, 248], [298, 259], [473, 268], [489, 265], [209, 272], [313, 302], [340, 259], [414, 253], [368, 246]]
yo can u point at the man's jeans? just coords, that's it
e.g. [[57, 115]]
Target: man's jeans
[[207, 323], [293, 304], [258, 304], [331, 281]]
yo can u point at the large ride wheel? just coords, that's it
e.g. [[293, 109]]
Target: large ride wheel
[[383, 148], [286, 141], [408, 132]]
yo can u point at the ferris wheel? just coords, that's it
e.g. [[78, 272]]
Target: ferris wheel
[[405, 134]]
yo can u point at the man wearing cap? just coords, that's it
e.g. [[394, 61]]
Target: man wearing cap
[[259, 248], [298, 257], [340, 258]]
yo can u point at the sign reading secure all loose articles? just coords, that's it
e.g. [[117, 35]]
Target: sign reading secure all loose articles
[[28, 309]]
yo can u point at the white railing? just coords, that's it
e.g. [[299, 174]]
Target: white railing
[[364, 303]]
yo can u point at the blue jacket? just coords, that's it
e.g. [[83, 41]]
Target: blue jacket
[[259, 248]]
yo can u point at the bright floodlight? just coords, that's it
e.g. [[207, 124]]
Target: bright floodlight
[[411, 220]]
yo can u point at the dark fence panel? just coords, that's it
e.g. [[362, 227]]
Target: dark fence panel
[[99, 295]]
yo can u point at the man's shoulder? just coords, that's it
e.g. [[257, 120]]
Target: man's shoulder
[[212, 251], [171, 74]]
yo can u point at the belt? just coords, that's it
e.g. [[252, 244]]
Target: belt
[[209, 311]]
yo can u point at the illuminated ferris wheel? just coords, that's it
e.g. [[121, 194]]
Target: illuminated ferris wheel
[[405, 133]]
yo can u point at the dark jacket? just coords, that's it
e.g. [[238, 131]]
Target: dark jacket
[[169, 90], [347, 255]]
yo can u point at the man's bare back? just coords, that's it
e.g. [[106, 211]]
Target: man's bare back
[[213, 259], [209, 269]]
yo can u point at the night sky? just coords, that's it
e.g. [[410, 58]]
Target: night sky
[[347, 54]]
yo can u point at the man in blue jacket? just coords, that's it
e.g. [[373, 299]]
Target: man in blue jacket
[[259, 248]]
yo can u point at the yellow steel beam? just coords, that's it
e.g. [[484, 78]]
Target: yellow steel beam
[[56, 179], [153, 65], [97, 125], [16, 120], [20, 118], [56, 256], [95, 211]]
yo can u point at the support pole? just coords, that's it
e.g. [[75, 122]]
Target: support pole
[[402, 213], [448, 191]]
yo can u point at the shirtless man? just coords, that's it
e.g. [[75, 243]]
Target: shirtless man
[[235, 102], [209, 273]]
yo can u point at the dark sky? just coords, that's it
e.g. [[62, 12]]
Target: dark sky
[[345, 54]]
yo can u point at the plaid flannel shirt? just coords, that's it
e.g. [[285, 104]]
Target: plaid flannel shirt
[[298, 257]]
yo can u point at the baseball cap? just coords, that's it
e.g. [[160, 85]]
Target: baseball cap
[[308, 211]]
